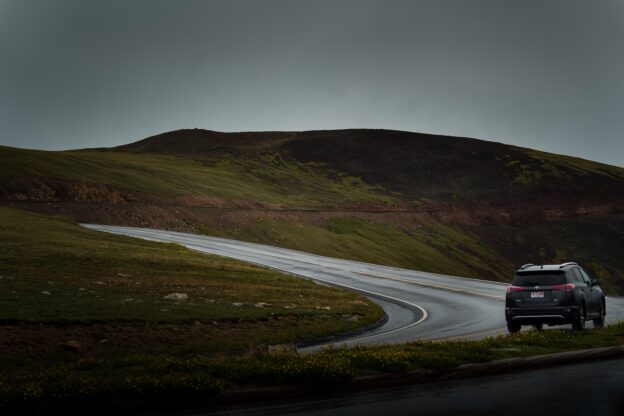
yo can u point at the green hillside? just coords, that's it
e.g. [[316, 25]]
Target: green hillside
[[268, 178], [411, 165], [442, 204]]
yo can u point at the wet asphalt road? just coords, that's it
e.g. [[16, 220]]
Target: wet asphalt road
[[419, 305]]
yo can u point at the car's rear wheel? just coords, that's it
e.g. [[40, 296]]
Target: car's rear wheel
[[600, 321], [513, 328], [579, 323]]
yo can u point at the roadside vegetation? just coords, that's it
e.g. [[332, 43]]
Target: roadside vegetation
[[434, 247], [166, 376]]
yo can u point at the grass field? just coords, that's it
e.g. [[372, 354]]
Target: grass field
[[92, 286], [268, 178]]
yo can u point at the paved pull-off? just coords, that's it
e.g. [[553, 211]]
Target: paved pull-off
[[418, 304]]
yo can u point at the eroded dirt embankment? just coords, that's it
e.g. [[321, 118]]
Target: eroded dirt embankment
[[100, 203]]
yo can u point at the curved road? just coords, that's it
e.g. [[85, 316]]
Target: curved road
[[419, 305]]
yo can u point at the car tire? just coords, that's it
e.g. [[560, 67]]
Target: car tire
[[513, 328], [539, 327], [579, 323], [600, 321]]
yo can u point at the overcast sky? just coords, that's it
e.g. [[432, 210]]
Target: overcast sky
[[536, 73]]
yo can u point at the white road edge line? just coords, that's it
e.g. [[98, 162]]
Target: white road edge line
[[424, 312]]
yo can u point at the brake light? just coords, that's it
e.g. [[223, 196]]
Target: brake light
[[568, 287], [512, 288]]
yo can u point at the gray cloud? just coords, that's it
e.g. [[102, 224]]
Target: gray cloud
[[542, 74]]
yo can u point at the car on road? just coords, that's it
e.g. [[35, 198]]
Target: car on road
[[554, 294]]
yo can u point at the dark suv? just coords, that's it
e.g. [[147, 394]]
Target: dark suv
[[554, 295]]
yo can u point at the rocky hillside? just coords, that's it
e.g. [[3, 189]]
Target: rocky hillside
[[444, 204]]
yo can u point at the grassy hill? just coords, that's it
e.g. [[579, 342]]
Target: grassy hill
[[59, 273], [267, 179], [409, 165], [442, 204]]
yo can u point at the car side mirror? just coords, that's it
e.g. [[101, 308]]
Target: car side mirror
[[595, 282]]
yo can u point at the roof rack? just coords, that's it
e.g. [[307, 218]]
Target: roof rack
[[524, 266], [569, 263]]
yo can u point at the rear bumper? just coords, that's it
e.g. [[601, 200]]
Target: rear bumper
[[559, 315]]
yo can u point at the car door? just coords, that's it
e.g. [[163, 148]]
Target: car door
[[590, 293]]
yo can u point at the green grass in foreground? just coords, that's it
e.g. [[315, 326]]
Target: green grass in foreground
[[162, 377], [58, 273]]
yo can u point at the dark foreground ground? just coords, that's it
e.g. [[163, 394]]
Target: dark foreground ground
[[595, 388]]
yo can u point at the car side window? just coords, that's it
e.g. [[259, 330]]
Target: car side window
[[578, 278], [586, 278]]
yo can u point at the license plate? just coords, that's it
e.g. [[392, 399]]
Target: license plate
[[537, 294]]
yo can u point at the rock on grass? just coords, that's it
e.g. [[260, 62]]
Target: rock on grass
[[176, 296]]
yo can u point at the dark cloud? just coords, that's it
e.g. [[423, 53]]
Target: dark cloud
[[542, 74]]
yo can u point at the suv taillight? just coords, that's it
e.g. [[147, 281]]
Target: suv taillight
[[568, 287], [512, 288]]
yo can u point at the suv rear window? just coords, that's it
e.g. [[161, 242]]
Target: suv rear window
[[539, 279]]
